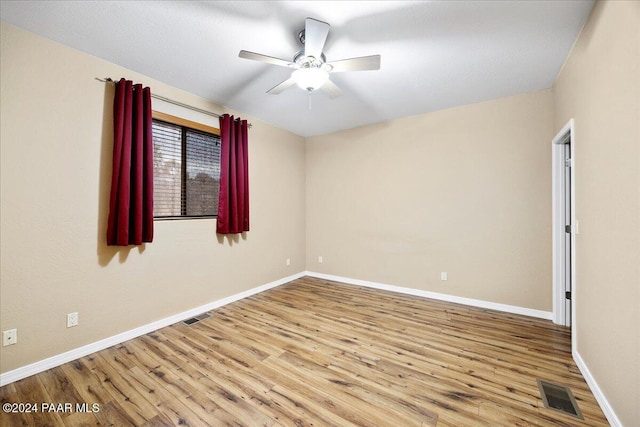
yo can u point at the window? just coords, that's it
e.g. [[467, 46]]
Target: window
[[186, 168]]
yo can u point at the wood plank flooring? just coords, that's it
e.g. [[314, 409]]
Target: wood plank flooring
[[319, 353]]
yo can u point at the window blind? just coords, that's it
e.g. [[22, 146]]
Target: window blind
[[186, 171]]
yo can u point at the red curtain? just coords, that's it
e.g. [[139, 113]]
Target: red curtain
[[233, 203], [131, 201]]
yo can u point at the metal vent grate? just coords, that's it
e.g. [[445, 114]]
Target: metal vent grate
[[559, 398], [196, 319]]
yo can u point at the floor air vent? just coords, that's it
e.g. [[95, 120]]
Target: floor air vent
[[559, 398], [196, 319]]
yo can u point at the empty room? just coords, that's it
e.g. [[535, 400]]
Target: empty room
[[312, 213]]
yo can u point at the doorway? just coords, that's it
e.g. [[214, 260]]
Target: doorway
[[564, 226]]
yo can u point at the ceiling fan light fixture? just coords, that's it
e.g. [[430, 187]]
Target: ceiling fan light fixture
[[310, 79], [310, 64]]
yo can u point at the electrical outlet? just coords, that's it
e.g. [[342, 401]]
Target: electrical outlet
[[72, 319], [288, 261], [320, 259], [9, 337], [443, 276]]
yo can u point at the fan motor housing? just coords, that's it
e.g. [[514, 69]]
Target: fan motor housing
[[308, 61]]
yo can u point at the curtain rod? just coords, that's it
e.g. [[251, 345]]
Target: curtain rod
[[170, 101]]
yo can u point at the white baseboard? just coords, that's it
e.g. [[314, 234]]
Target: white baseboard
[[547, 315], [57, 360], [595, 389]]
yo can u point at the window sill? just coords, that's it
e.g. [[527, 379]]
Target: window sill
[[176, 218]]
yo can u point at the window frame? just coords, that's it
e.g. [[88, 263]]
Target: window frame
[[184, 123]]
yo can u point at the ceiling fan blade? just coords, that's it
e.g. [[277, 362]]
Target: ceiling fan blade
[[331, 89], [282, 86], [361, 63], [264, 58], [315, 34]]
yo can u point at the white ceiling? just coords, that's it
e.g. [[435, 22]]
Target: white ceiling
[[435, 54]]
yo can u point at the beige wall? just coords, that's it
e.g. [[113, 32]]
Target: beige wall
[[56, 142], [465, 190], [599, 87]]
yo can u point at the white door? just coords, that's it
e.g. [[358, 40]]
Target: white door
[[567, 234], [564, 226]]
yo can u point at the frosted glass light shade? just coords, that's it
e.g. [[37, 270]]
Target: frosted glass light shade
[[310, 78]]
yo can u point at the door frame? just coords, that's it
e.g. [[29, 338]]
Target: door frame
[[558, 228]]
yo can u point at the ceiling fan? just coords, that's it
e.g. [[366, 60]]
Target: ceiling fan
[[311, 69]]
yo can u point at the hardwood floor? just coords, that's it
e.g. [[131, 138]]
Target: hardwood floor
[[319, 353]]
